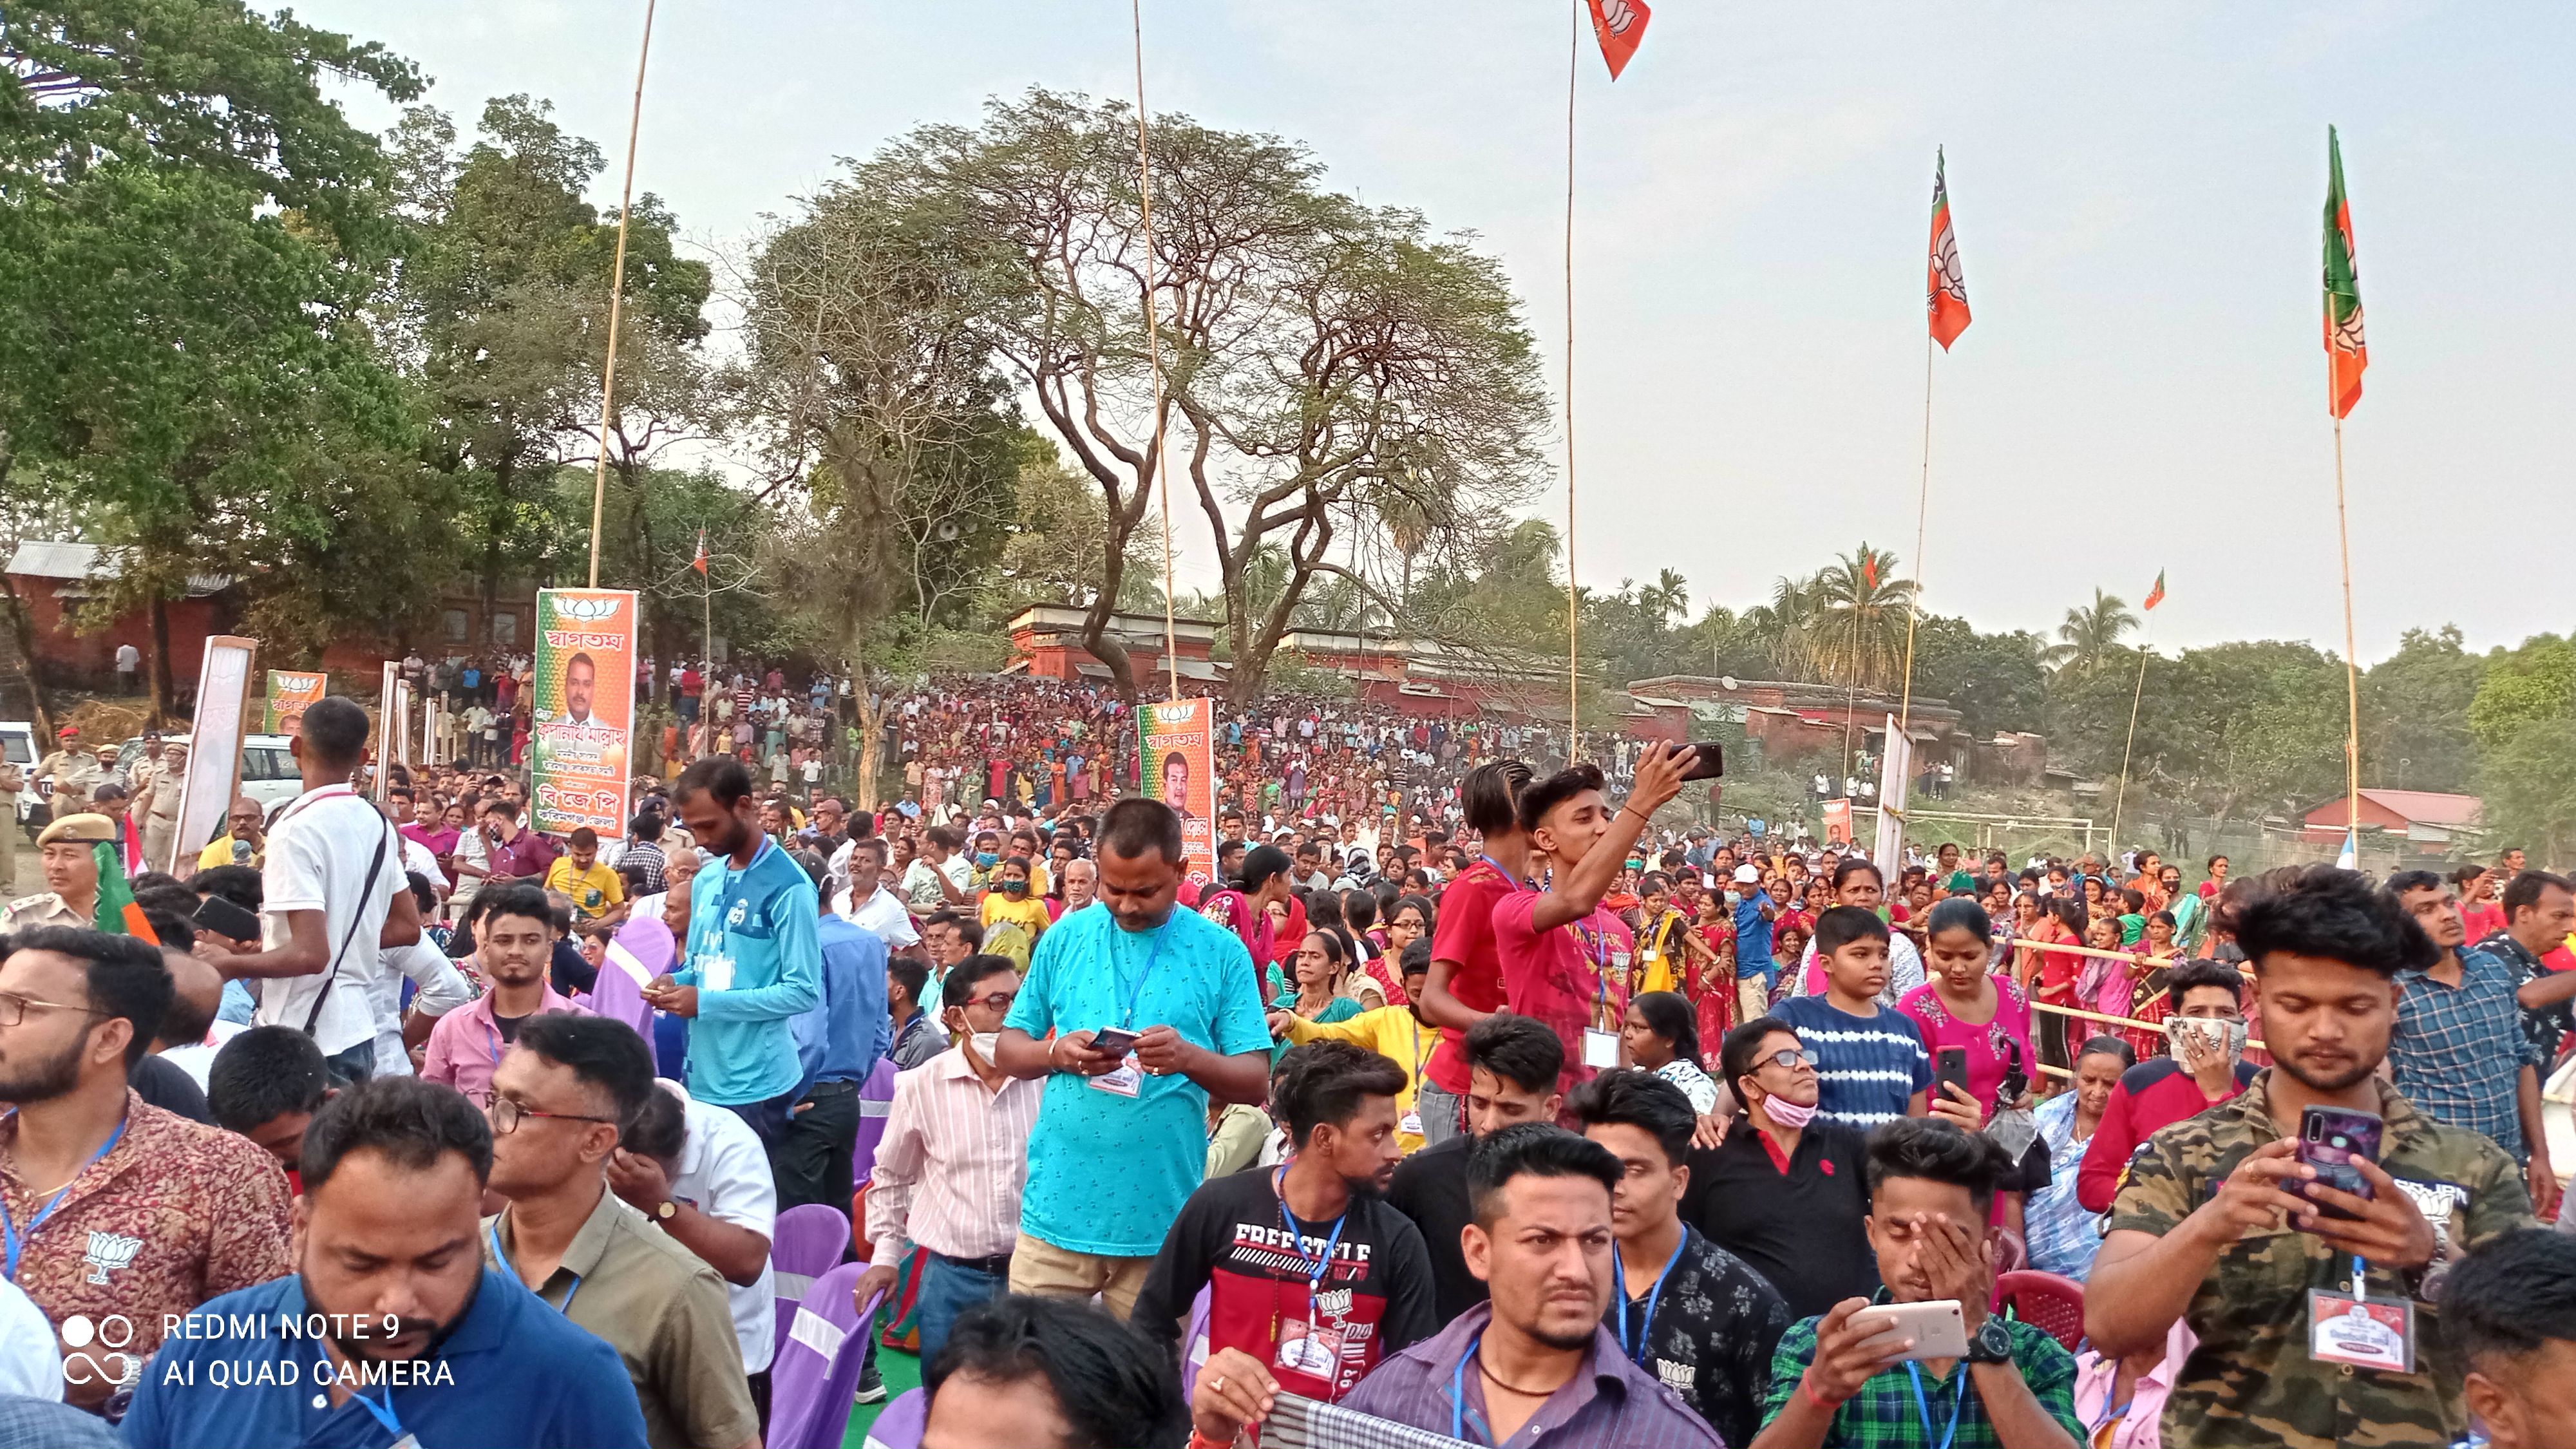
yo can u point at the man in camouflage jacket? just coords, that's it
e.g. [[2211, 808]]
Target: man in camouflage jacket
[[2206, 1227]]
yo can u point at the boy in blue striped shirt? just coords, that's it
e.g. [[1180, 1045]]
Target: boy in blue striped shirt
[[1870, 1061]]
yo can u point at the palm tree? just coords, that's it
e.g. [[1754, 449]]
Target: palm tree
[[1860, 609], [2091, 635], [1786, 627], [1664, 599]]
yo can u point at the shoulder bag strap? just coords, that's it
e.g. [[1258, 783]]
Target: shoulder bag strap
[[331, 973]]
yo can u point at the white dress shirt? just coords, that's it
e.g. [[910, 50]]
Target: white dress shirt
[[884, 914], [724, 1173], [953, 1161]]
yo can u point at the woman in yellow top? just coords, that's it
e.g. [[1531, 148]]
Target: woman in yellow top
[[1659, 932], [1011, 900], [1394, 1032]]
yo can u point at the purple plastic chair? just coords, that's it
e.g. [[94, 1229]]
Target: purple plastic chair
[[902, 1423], [805, 1243], [1194, 1344], [876, 1100], [640, 951], [815, 1377]]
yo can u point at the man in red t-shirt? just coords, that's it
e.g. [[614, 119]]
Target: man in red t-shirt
[[1466, 981], [1565, 958]]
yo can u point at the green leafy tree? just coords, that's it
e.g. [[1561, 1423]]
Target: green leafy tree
[[2415, 713], [2529, 685], [189, 235], [1858, 630], [1995, 681]]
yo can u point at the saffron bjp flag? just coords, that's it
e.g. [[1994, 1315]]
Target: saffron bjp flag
[[2346, 353], [1946, 286], [1619, 25], [2156, 595], [116, 912], [700, 562]]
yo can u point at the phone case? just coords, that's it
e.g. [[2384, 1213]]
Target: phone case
[[2330, 1138], [1936, 1327]]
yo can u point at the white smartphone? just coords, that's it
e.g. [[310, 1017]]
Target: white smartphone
[[1935, 1326]]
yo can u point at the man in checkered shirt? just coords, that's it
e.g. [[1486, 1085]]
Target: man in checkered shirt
[[2459, 1052]]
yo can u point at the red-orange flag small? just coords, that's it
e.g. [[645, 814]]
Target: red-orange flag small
[[700, 562], [1620, 25]]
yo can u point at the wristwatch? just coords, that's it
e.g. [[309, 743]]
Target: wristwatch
[[1991, 1343], [666, 1210]]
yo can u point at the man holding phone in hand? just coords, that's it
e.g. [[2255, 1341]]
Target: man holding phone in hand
[[2223, 1225], [1862, 1375], [1135, 1016]]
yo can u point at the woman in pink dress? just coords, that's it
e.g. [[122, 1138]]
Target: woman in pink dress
[[1964, 1003]]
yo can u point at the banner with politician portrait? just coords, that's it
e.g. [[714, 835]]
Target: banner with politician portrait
[[584, 710], [1179, 752], [289, 692]]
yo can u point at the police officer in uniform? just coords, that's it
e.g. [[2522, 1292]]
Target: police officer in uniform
[[72, 769], [71, 867]]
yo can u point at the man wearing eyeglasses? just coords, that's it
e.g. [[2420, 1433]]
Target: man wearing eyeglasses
[[1785, 1191], [559, 1100], [954, 1159], [115, 1207]]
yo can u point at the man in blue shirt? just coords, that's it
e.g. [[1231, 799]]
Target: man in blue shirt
[[1121, 1136], [753, 962], [1754, 912], [837, 1045], [389, 1231]]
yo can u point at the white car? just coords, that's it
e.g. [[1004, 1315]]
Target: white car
[[268, 773], [18, 746]]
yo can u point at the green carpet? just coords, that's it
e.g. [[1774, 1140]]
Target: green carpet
[[900, 1371]]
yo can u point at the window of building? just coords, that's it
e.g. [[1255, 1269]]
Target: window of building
[[505, 628], [453, 625]]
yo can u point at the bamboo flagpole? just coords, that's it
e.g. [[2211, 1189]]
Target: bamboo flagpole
[[2347, 355], [1620, 25], [2146, 651], [1154, 346], [1573, 610], [617, 298], [1945, 305]]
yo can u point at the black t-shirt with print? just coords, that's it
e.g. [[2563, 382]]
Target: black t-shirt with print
[[1715, 1324], [1373, 1300]]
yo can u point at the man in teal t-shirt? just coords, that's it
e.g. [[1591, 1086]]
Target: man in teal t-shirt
[[1121, 1137]]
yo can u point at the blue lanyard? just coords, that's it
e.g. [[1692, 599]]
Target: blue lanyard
[[1152, 957], [1636, 1351], [385, 1415], [1321, 1263], [1959, 1396], [1458, 1393], [15, 1241], [1518, 884], [732, 884], [499, 1253]]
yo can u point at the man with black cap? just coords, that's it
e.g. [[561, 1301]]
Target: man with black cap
[[65, 853]]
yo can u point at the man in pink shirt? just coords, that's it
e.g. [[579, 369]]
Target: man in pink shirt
[[514, 941], [1565, 960]]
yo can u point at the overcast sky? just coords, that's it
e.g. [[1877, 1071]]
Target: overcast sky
[[2137, 192]]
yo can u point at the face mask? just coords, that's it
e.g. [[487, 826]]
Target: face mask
[[2207, 1031], [1015, 887], [1787, 1113], [986, 1043], [987, 859]]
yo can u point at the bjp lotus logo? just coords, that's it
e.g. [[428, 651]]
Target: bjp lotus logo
[[591, 610]]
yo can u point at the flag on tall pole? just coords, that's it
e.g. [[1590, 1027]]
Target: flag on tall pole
[[700, 562], [2156, 595], [1946, 287], [1619, 25], [2346, 353]]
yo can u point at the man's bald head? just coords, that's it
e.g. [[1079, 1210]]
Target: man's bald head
[[197, 994]]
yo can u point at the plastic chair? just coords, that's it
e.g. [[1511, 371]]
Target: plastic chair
[[876, 1099], [815, 1377], [805, 1243], [2046, 1301], [1194, 1344], [641, 950], [900, 1426]]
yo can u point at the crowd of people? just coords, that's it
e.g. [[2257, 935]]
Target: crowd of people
[[1454, 1092]]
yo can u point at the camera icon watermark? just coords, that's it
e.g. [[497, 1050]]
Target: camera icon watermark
[[113, 1333]]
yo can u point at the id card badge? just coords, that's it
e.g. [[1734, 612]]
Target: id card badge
[[1600, 1048], [1314, 1349], [1126, 1081], [2373, 1333], [718, 972], [1410, 1122]]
